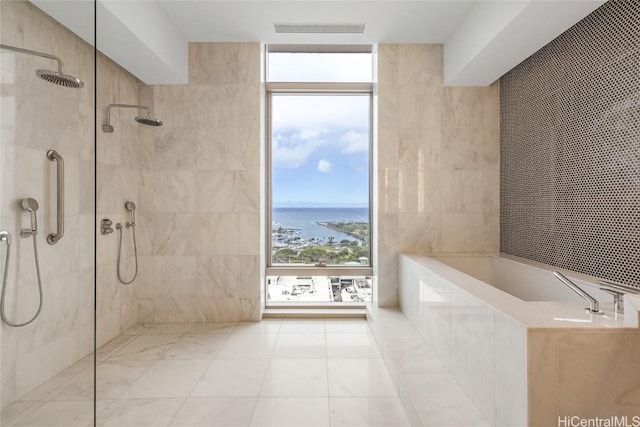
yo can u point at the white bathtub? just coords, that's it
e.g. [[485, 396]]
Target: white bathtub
[[518, 341], [526, 280]]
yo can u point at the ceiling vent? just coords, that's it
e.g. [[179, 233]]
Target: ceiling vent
[[319, 28]]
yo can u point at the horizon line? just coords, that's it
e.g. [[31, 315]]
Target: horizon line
[[320, 207]]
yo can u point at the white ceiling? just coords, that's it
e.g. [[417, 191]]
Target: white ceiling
[[252, 21], [482, 39]]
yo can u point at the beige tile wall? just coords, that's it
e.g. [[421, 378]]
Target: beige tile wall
[[566, 372], [200, 191], [118, 179], [37, 116], [438, 162]]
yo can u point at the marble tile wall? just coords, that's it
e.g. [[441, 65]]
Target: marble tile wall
[[484, 351], [118, 180], [566, 371], [438, 162], [200, 191], [37, 116]]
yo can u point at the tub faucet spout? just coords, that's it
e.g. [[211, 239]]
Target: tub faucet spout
[[593, 303]]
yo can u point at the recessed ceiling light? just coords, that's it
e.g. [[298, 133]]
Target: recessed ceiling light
[[319, 28]]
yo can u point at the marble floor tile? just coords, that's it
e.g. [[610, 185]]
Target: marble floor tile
[[278, 373], [212, 328], [167, 328], [135, 330], [308, 326], [145, 347], [197, 346], [215, 412], [347, 326], [268, 326], [112, 346], [168, 378], [113, 378], [296, 377], [139, 413], [12, 413], [245, 345], [367, 412], [232, 378], [359, 378], [299, 345], [53, 385], [441, 403], [356, 345], [291, 412], [59, 414]]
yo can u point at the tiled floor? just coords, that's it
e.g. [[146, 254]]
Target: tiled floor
[[272, 373]]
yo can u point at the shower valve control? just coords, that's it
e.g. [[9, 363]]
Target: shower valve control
[[105, 226]]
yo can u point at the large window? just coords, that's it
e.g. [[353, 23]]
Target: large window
[[319, 177]]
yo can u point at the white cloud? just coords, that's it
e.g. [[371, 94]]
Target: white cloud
[[354, 142], [319, 112], [324, 166], [304, 124], [310, 134], [293, 153], [292, 149]]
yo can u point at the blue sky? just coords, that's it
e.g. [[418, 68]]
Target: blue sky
[[320, 152], [320, 144]]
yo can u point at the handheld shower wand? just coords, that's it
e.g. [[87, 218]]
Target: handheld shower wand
[[30, 205], [131, 208]]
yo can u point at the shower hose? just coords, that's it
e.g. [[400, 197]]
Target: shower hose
[[4, 283], [135, 252]]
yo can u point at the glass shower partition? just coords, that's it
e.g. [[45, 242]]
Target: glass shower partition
[[47, 217]]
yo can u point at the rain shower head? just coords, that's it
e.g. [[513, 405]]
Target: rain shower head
[[55, 77], [149, 121], [145, 120], [58, 78]]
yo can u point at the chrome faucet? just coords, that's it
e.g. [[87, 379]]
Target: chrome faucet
[[593, 303], [617, 290], [618, 300]]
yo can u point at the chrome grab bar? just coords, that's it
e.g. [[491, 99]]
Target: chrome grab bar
[[593, 303], [53, 238]]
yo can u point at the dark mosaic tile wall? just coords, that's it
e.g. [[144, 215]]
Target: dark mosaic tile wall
[[570, 149]]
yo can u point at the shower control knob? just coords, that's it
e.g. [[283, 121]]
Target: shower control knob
[[105, 226]]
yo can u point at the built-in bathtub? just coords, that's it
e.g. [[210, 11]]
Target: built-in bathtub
[[519, 342]]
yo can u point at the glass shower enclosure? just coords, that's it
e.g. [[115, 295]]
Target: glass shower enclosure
[[47, 216]]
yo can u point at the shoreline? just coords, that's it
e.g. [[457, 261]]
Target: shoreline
[[334, 228]]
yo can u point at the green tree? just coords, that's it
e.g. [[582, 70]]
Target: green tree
[[314, 254], [284, 255]]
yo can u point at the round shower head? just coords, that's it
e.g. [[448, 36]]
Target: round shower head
[[29, 204], [149, 121], [61, 79], [130, 206]]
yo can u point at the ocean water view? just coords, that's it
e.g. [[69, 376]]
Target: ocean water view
[[305, 220]]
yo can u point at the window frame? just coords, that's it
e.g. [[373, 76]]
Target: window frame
[[305, 89]]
